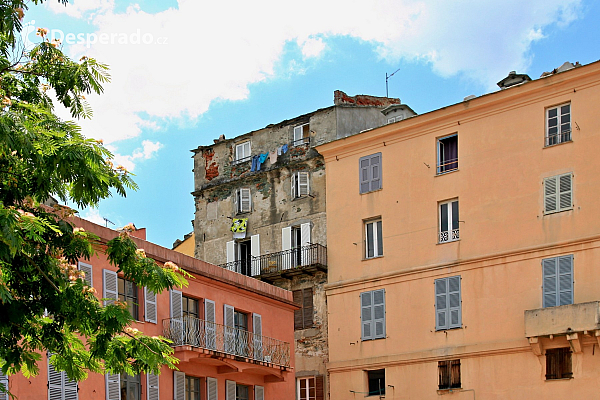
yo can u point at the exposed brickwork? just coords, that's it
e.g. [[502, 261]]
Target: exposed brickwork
[[340, 97], [211, 166]]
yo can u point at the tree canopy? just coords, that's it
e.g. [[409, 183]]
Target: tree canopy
[[45, 304]]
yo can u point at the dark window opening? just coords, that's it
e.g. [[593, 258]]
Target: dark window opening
[[242, 392], [190, 307], [128, 293], [303, 318], [245, 257], [192, 388], [447, 154], [449, 374], [130, 387], [558, 125], [376, 382], [558, 363]]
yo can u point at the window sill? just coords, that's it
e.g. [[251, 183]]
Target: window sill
[[448, 391], [558, 379], [449, 329], [308, 196], [372, 191], [449, 241], [371, 258], [559, 211], [241, 161], [446, 172], [557, 144]]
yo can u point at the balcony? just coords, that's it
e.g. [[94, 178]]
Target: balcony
[[573, 321], [222, 341], [283, 264]]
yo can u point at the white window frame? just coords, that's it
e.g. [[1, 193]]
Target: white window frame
[[558, 137], [306, 381], [242, 207], [298, 186], [452, 234], [440, 167], [554, 186], [376, 239], [298, 135], [243, 151]]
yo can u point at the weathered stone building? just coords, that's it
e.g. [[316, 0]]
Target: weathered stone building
[[260, 211]]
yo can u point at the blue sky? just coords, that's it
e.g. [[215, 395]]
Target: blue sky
[[185, 72]]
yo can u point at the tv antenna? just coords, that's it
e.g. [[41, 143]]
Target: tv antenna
[[387, 77], [106, 221]]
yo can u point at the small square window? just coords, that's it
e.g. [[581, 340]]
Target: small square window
[[449, 374], [301, 135], [447, 154], [448, 221], [242, 152], [558, 363], [373, 239], [376, 381], [307, 388], [558, 124]]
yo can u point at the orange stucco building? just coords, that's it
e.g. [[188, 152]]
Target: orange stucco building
[[464, 247], [232, 334]]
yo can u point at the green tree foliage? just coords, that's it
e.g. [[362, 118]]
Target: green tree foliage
[[45, 304]]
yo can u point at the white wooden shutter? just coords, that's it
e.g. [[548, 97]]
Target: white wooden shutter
[[55, 382], [259, 393], [3, 381], [565, 198], [229, 331], [230, 251], [364, 174], [110, 286], [236, 202], [87, 269], [294, 182], [176, 304], [153, 389], [305, 254], [375, 169], [177, 331], [211, 389], [257, 341], [550, 194], [255, 253], [286, 244], [379, 314], [245, 200], [70, 388], [149, 305], [210, 327], [297, 134], [303, 189], [366, 315], [454, 306], [441, 304], [230, 387], [113, 386], [178, 385]]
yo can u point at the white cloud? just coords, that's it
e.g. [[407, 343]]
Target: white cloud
[[92, 215], [203, 51], [147, 150]]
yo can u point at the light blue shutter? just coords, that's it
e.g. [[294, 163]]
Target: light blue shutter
[[379, 313], [549, 285], [87, 269], [3, 381], [557, 281], [366, 315], [565, 280], [454, 306], [153, 389], [113, 386], [441, 304], [230, 387], [149, 305], [211, 389], [178, 385], [364, 174], [228, 321], [375, 171], [110, 287]]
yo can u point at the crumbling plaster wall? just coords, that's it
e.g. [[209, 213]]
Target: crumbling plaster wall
[[352, 120]]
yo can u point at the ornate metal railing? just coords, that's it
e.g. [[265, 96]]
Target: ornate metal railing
[[189, 331], [313, 254], [449, 236]]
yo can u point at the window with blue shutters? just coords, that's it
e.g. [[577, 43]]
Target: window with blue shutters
[[372, 314], [557, 284], [558, 193], [370, 173], [448, 312]]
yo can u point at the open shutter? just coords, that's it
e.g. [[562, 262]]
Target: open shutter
[[257, 336], [298, 314], [441, 304], [149, 305], [286, 244], [375, 174], [565, 198], [236, 202], [565, 280], [303, 188], [549, 285], [294, 185], [55, 382], [366, 315], [379, 313], [307, 308], [454, 302], [255, 253], [3, 381], [113, 387], [211, 389], [319, 388], [245, 200], [210, 327], [230, 387], [153, 389], [305, 254], [551, 194], [230, 251], [110, 286], [87, 269], [259, 393], [176, 325], [178, 385], [228, 322]]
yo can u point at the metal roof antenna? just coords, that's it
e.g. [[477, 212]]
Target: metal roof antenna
[[387, 77]]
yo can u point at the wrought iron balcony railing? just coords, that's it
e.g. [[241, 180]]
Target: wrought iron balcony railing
[[301, 257], [190, 331], [449, 236]]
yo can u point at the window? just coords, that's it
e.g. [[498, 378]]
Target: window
[[242, 392], [190, 307], [395, 119], [447, 149], [558, 363], [59, 385], [87, 269], [192, 388], [242, 152], [376, 382], [301, 135], [310, 388], [447, 303], [449, 221], [235, 391], [373, 239], [243, 201], [152, 387], [303, 318], [558, 124], [370, 173], [372, 314], [449, 374], [128, 292], [3, 381], [300, 186], [557, 284], [558, 193], [130, 387]]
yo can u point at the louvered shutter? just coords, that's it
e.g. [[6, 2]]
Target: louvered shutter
[[230, 387], [229, 331], [177, 331], [257, 340], [110, 287], [294, 185], [307, 308], [230, 251], [211, 389], [365, 174], [319, 388], [550, 194], [441, 304], [549, 286], [259, 393], [286, 244], [153, 389], [3, 381], [210, 326], [255, 253], [375, 174], [236, 202], [113, 387], [305, 255], [454, 306], [366, 315], [149, 305], [303, 188], [69, 387], [178, 385], [557, 281], [55, 382], [245, 200], [298, 314], [565, 192], [379, 314], [87, 269], [565, 280]]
